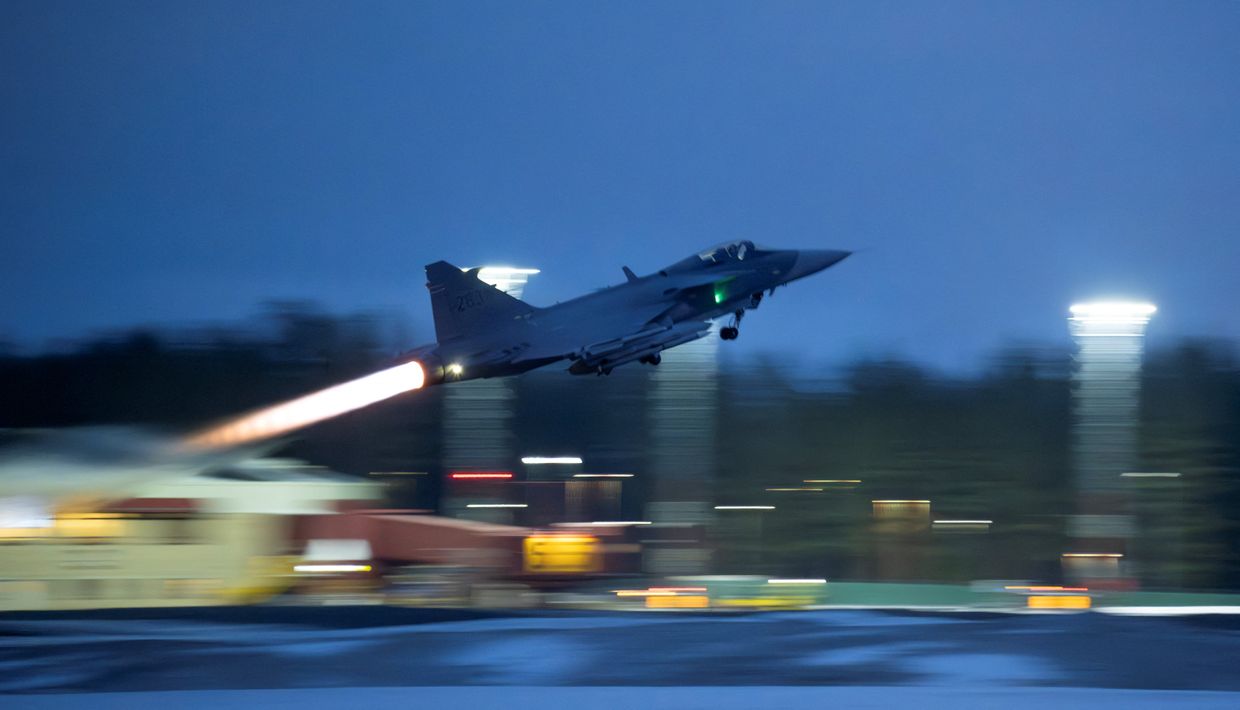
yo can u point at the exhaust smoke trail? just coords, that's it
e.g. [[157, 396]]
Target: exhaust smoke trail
[[309, 409]]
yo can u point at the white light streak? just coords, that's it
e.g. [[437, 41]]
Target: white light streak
[[331, 568], [1094, 555], [310, 409], [1150, 475], [796, 581], [539, 460], [744, 507], [500, 271], [832, 480], [497, 505], [963, 522], [1169, 610], [606, 523], [602, 475]]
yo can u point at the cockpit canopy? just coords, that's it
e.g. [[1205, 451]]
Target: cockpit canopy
[[724, 253]]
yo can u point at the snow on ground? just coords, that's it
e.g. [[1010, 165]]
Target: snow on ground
[[641, 698], [322, 656]]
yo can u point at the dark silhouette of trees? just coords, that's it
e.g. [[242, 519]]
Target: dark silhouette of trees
[[994, 447]]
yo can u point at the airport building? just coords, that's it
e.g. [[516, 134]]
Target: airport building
[[277, 529], [221, 538]]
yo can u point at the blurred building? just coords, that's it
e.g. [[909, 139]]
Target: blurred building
[[219, 538], [1106, 379]]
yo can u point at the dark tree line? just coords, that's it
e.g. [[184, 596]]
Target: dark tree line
[[179, 379], [995, 446]]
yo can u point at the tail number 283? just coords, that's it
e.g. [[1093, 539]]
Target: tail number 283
[[470, 299]]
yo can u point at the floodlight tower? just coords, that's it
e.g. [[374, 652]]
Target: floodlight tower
[[681, 458], [477, 432], [1110, 340]]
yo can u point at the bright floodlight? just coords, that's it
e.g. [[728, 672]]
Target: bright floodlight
[[1113, 308], [509, 279], [744, 507], [1108, 313]]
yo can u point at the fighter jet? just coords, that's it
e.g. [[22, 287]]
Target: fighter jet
[[484, 332]]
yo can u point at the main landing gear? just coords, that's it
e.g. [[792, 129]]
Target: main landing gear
[[654, 359], [731, 332]]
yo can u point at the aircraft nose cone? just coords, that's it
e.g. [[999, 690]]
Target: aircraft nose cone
[[811, 261]]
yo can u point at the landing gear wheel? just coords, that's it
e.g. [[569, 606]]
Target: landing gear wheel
[[652, 359], [729, 332]]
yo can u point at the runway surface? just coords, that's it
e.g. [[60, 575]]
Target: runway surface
[[302, 655]]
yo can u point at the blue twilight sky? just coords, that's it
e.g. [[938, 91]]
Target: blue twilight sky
[[177, 162]]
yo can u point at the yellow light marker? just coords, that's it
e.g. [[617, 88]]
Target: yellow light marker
[[1067, 601], [659, 601], [556, 553]]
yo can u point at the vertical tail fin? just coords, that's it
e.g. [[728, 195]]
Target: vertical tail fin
[[463, 304]]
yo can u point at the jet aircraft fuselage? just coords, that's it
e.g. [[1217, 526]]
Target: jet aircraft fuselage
[[484, 332]]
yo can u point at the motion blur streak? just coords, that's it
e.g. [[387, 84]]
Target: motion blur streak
[[609, 523], [310, 409], [796, 581], [331, 568]]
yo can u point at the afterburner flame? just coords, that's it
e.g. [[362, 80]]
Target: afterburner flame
[[310, 409]]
